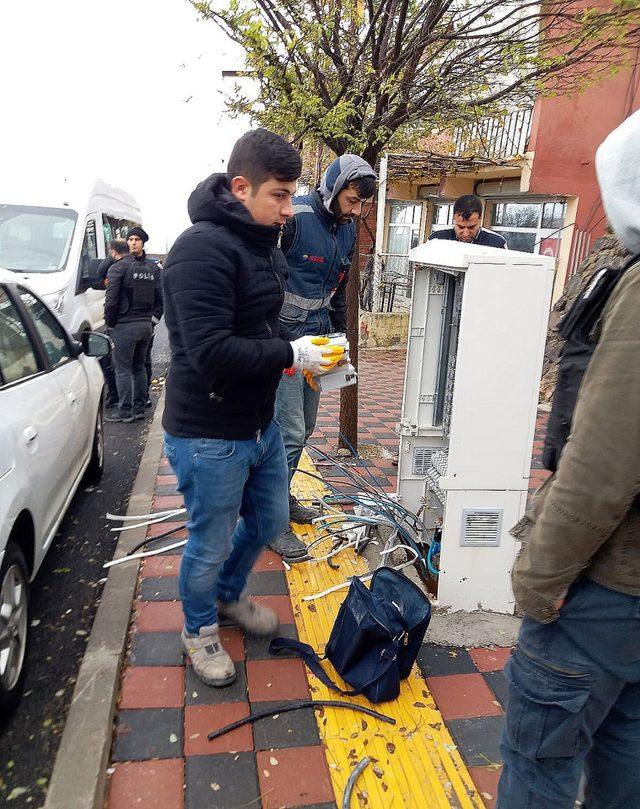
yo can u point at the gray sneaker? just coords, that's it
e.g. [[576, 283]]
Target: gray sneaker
[[210, 662], [254, 619], [290, 547], [299, 513]]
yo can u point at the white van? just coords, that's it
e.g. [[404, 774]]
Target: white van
[[51, 238]]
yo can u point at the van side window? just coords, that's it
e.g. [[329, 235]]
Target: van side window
[[17, 358], [115, 228], [89, 248]]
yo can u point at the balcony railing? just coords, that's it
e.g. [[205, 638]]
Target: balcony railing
[[494, 138]]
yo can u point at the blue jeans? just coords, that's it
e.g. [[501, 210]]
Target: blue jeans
[[130, 341], [296, 412], [222, 481], [574, 706]]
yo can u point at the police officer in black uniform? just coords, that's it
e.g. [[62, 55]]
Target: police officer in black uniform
[[133, 304]]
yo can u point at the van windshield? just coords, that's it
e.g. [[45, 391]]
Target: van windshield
[[35, 239]]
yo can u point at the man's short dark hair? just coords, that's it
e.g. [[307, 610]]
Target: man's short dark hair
[[365, 186], [119, 246], [467, 205], [260, 154]]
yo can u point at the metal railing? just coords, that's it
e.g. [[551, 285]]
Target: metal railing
[[501, 137]]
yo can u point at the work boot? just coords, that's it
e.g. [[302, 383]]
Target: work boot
[[254, 619], [290, 547], [209, 661], [299, 513], [117, 417]]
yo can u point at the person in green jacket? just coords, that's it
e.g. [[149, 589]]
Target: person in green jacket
[[574, 679]]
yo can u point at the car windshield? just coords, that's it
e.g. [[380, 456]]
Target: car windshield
[[35, 239]]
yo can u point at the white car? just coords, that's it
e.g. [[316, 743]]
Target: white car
[[51, 437]]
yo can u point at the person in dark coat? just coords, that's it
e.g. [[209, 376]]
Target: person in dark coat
[[467, 225], [117, 249], [137, 237], [133, 300], [224, 282], [318, 242]]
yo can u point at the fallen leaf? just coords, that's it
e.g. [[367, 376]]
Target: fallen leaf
[[487, 796], [215, 787], [173, 738], [16, 792], [273, 761], [266, 773], [391, 748]]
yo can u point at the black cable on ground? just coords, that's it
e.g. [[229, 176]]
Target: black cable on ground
[[153, 539], [296, 706]]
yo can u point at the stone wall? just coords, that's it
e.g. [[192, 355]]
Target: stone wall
[[384, 329], [607, 252]]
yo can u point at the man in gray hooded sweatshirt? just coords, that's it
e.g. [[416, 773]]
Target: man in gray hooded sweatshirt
[[574, 696], [318, 243]]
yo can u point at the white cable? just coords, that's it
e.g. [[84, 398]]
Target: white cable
[[126, 518], [145, 554], [346, 583], [148, 522], [336, 587]]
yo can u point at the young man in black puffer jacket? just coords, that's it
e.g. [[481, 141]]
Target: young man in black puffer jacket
[[224, 284]]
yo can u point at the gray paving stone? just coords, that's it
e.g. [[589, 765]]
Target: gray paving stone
[[436, 660], [156, 649], [233, 773], [148, 733], [478, 739], [294, 729], [499, 684], [258, 648], [267, 583], [207, 695], [161, 588]]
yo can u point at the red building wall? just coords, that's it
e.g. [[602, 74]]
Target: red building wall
[[565, 133]]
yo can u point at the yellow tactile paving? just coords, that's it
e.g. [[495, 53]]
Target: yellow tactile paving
[[415, 763]]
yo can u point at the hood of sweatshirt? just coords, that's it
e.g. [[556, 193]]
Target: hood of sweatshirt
[[212, 201], [342, 171], [618, 169]]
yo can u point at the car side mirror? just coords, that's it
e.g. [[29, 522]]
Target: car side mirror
[[95, 344]]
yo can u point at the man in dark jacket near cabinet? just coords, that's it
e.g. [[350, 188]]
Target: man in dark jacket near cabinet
[[224, 282], [318, 242]]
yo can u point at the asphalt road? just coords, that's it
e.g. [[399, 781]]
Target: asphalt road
[[64, 599]]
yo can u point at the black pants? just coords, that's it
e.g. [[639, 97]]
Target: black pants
[[131, 341]]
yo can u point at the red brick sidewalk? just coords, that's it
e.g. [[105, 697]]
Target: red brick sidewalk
[[161, 757]]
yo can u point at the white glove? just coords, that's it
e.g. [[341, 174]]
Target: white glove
[[309, 356]]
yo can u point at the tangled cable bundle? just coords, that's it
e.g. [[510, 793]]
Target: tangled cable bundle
[[336, 529]]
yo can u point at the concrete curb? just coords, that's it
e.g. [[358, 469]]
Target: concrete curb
[[79, 775]]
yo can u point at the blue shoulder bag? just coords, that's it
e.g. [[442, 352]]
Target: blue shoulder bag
[[375, 639]]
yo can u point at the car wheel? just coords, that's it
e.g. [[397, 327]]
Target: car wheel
[[96, 464], [14, 627]]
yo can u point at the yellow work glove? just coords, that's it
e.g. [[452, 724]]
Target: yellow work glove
[[314, 354]]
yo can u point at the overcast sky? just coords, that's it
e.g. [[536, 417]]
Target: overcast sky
[[129, 91]]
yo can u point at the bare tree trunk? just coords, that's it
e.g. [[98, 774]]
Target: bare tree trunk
[[349, 396]]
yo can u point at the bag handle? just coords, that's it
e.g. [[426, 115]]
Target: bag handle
[[309, 656]]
